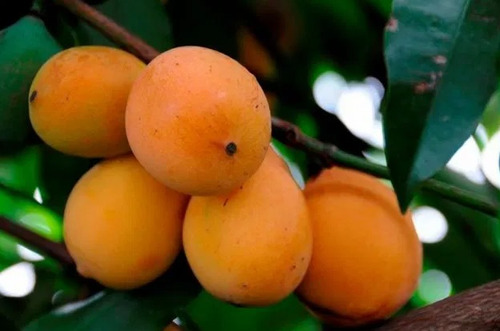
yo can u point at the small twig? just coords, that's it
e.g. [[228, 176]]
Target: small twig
[[110, 29], [292, 136], [282, 130], [56, 250]]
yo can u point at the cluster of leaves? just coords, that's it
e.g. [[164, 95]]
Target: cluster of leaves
[[438, 62]]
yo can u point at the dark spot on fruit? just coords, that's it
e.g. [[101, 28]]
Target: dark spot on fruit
[[33, 95], [293, 267], [231, 149], [244, 285], [225, 202], [176, 63]]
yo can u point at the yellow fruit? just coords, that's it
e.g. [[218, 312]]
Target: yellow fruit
[[198, 121], [366, 258], [121, 226], [250, 247], [78, 97]]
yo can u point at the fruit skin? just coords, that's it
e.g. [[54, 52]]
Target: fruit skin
[[367, 257], [198, 121], [250, 247], [78, 97], [121, 226], [24, 47]]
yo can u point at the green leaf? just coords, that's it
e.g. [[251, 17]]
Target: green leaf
[[491, 115], [209, 313], [441, 60], [24, 47], [146, 18], [59, 173], [151, 307]]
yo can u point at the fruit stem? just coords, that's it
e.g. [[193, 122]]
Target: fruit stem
[[284, 131], [53, 249], [110, 29], [291, 135]]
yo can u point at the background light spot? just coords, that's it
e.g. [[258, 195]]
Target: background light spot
[[17, 280], [430, 224], [434, 285]]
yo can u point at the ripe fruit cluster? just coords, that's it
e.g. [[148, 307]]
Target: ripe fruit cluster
[[187, 164]]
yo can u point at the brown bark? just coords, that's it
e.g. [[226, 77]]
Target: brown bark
[[477, 309]]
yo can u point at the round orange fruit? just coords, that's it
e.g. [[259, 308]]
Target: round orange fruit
[[366, 257], [252, 246], [198, 121], [78, 97], [122, 227]]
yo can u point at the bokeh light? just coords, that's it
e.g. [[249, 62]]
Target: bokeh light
[[356, 104], [490, 159], [327, 89], [37, 195], [17, 280], [27, 254], [466, 161], [434, 285], [430, 224]]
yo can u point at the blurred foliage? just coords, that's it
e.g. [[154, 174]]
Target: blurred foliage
[[301, 40]]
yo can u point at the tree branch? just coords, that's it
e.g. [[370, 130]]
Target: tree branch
[[56, 250], [110, 29], [475, 309]]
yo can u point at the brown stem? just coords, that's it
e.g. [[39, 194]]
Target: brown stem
[[110, 29], [56, 250], [475, 309], [291, 135]]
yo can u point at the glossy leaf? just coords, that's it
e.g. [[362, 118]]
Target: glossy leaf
[[24, 47], [441, 65], [146, 19], [209, 313], [151, 307]]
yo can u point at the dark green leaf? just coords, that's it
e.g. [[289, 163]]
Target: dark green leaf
[[441, 64], [146, 19], [209, 313], [151, 307], [24, 47], [210, 24], [60, 172]]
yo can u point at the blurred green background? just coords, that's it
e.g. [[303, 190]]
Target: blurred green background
[[321, 64]]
